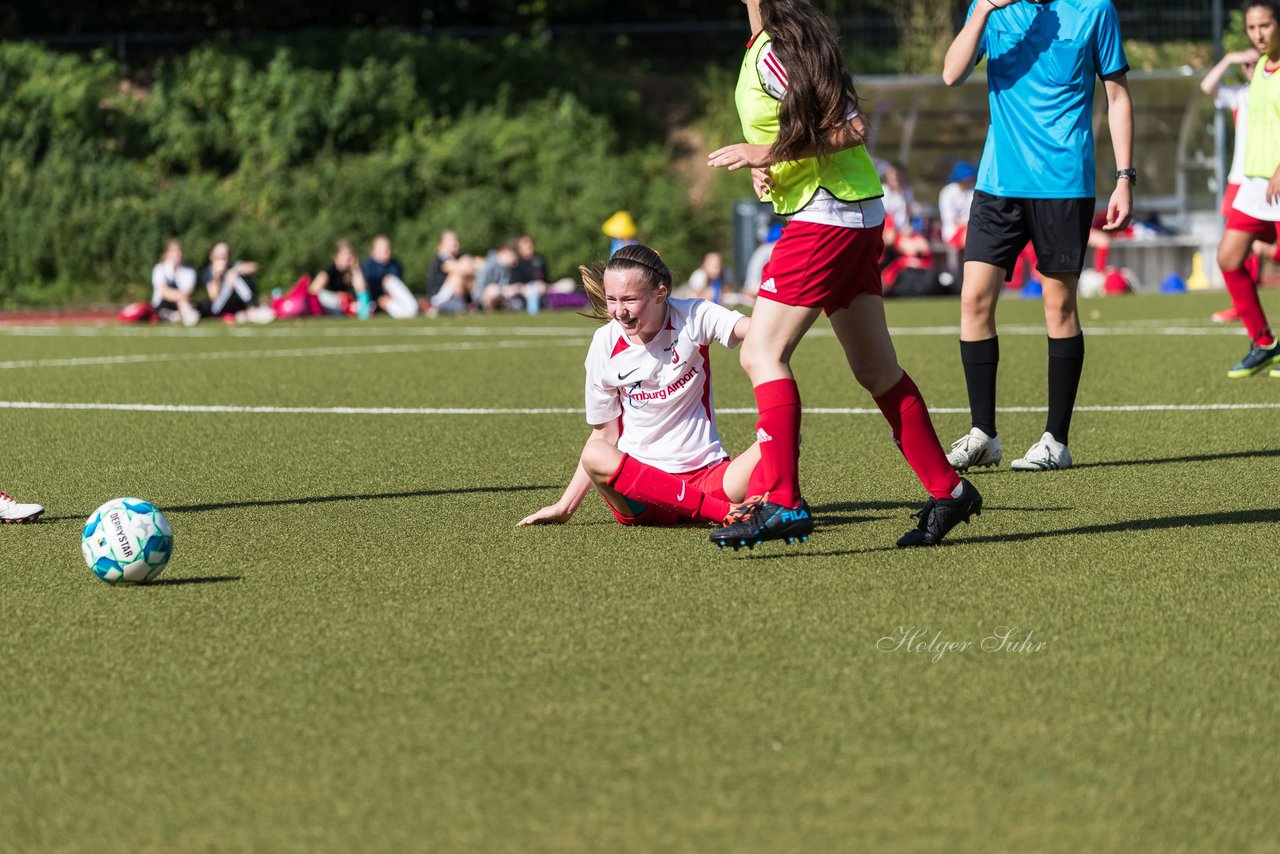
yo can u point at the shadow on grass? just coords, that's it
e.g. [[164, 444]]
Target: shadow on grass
[[316, 499], [1163, 523], [183, 582], [1160, 461], [856, 512], [1193, 458]]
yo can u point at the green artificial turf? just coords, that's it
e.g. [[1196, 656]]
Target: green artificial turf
[[354, 649]]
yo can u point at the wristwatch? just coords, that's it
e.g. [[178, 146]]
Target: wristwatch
[[1131, 174]]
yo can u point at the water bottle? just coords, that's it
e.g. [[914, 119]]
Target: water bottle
[[717, 287], [362, 305], [532, 299]]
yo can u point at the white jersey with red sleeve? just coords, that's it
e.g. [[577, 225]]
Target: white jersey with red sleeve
[[662, 390]]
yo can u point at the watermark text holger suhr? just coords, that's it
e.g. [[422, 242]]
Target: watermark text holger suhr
[[1003, 639]]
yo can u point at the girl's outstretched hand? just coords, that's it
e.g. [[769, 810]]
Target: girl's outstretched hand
[[551, 515], [740, 155]]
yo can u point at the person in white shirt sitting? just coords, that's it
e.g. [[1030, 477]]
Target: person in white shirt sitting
[[172, 286]]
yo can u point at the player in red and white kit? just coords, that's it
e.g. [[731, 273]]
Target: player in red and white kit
[[654, 453], [15, 513]]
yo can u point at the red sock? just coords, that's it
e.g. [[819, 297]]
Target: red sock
[[1244, 296], [904, 408], [648, 485], [1100, 256], [778, 430]]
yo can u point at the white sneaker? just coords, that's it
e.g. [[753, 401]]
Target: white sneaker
[[973, 450], [260, 314], [190, 317], [1045, 455], [13, 513]]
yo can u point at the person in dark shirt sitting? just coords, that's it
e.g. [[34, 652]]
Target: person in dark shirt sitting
[[229, 286], [498, 283], [340, 285], [533, 267], [384, 276], [452, 276]]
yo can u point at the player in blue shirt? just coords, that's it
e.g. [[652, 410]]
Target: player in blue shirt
[[1036, 183]]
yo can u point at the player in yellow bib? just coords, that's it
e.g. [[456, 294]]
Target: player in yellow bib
[[1256, 208], [804, 145]]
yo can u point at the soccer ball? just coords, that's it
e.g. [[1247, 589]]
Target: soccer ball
[[127, 541], [1091, 283]]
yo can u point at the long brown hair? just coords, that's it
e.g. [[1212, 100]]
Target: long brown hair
[[1265, 4], [820, 89], [635, 256]]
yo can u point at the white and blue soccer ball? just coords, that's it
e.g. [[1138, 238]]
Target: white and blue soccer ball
[[127, 541]]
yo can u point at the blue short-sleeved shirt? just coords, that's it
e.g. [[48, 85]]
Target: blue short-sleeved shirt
[[1042, 59]]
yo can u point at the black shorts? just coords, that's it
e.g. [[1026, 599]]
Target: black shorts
[[1058, 229]]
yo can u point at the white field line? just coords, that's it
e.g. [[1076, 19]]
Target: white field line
[[492, 340], [298, 353], [219, 331], [1089, 331], [472, 411], [1137, 327]]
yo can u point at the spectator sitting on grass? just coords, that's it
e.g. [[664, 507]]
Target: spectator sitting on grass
[[452, 276], [755, 266], [498, 284], [954, 203], [338, 286], [904, 246], [172, 284], [533, 267], [900, 234], [385, 278], [706, 282], [230, 288]]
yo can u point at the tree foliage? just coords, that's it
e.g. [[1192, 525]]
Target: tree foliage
[[151, 16], [282, 159]]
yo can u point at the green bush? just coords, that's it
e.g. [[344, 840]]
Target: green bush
[[281, 155]]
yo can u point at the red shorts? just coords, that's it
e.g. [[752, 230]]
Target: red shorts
[[708, 479], [1260, 229], [823, 266]]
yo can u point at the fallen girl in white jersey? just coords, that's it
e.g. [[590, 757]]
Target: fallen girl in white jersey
[[653, 453]]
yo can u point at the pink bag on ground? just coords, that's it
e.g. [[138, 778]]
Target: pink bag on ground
[[298, 302], [137, 312]]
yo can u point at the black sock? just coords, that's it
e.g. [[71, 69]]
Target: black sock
[[980, 360], [1066, 362]]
